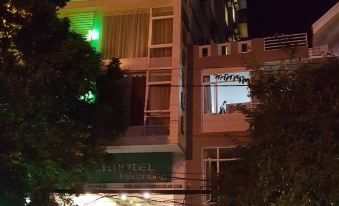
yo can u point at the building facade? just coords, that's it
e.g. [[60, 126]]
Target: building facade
[[326, 33], [153, 40], [219, 74], [185, 63]]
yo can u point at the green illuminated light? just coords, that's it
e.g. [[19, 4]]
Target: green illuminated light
[[89, 97], [92, 35], [89, 25]]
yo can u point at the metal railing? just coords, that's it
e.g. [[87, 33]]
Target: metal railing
[[285, 41]]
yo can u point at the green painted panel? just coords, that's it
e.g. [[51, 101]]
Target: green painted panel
[[134, 168]]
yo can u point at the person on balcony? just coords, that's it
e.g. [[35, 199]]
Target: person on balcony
[[222, 109]]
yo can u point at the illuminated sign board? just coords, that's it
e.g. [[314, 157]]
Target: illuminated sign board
[[134, 168]]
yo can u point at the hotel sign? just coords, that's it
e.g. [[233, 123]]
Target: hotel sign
[[134, 168]]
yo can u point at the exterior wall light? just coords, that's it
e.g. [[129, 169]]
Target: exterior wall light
[[92, 35], [123, 197], [147, 195]]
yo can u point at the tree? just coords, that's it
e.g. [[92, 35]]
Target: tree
[[236, 184], [293, 158], [45, 71], [295, 133]]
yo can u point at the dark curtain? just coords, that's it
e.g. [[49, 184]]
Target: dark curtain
[[137, 101]]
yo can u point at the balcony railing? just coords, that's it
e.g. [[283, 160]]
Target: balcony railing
[[319, 51], [292, 40]]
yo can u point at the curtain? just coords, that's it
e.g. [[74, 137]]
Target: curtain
[[207, 96], [125, 36], [161, 52], [137, 100], [158, 97], [162, 31]]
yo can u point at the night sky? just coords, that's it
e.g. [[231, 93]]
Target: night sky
[[269, 17]]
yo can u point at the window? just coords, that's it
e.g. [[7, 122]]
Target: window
[[224, 49], [204, 52], [157, 114], [243, 30], [161, 32], [161, 52], [134, 97], [125, 36], [244, 48], [242, 4], [222, 92], [218, 161], [159, 97]]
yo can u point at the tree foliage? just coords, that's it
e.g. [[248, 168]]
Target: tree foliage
[[294, 155], [47, 138], [295, 133]]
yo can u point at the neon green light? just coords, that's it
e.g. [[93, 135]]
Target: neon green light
[[97, 26], [92, 35], [89, 97], [89, 25]]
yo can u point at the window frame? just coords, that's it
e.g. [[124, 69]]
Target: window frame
[[215, 85], [249, 47], [228, 49], [218, 160], [152, 46], [201, 48]]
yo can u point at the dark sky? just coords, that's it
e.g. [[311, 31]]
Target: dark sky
[[268, 17]]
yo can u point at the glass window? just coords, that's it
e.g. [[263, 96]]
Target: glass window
[[223, 50], [210, 153], [135, 98], [161, 52], [125, 36], [226, 153], [162, 31], [159, 97], [209, 99], [222, 92], [204, 52], [157, 123], [242, 4], [217, 161], [244, 48]]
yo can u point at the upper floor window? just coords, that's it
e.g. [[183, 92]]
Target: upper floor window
[[162, 31], [224, 49], [161, 37], [216, 162], [222, 92], [125, 36], [244, 46], [204, 51]]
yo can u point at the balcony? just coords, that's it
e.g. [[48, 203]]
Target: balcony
[[230, 121]]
